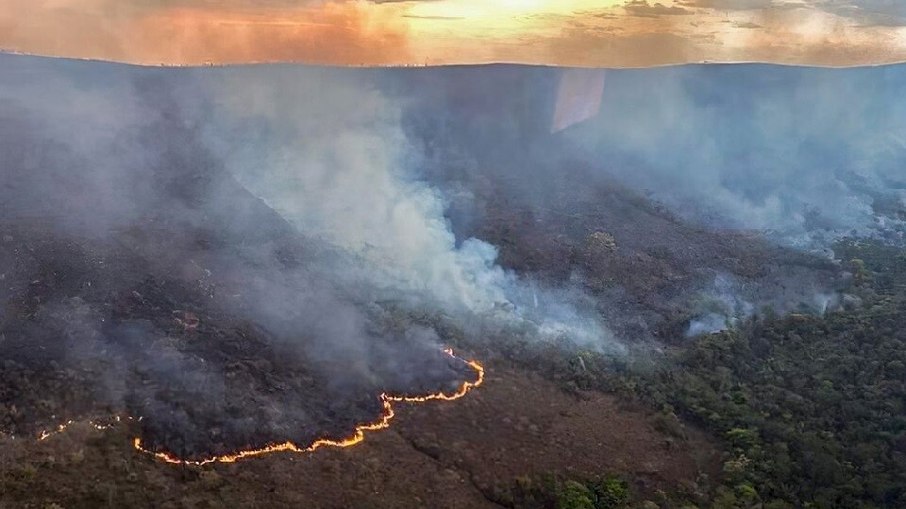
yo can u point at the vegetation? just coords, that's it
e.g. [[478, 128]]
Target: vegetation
[[812, 409], [549, 491]]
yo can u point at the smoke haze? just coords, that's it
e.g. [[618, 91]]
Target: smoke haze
[[807, 154], [302, 216]]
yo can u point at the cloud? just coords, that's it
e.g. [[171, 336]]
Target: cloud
[[347, 32], [869, 12], [643, 8], [413, 16], [729, 4], [192, 32]]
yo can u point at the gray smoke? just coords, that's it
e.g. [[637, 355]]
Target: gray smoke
[[808, 155], [722, 305]]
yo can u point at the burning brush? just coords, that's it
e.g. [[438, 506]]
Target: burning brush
[[355, 438]]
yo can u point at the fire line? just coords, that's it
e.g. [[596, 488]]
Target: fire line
[[357, 437]]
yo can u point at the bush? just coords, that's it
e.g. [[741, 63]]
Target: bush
[[611, 493], [575, 495]]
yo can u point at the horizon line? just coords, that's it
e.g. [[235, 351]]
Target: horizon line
[[509, 63]]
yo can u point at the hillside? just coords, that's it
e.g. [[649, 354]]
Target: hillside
[[223, 260]]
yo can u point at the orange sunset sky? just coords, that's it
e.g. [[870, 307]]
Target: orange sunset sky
[[600, 33]]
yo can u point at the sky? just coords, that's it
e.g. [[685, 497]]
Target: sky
[[588, 33]]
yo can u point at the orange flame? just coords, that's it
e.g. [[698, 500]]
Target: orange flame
[[357, 437], [99, 425]]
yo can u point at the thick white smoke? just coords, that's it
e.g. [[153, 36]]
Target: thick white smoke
[[329, 154]]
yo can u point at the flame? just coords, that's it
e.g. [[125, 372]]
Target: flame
[[387, 414], [98, 425]]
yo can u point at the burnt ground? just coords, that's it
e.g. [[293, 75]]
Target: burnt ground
[[444, 455], [91, 329]]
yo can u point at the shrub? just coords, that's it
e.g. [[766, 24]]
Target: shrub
[[575, 495]]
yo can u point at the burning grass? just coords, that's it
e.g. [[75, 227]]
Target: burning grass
[[357, 437]]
